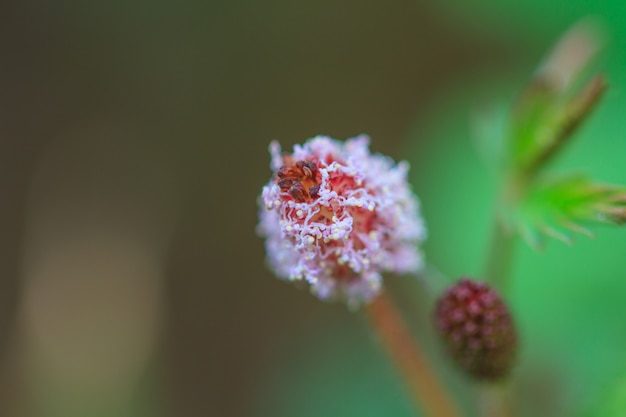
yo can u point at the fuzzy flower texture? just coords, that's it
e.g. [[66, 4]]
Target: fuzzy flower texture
[[335, 217]]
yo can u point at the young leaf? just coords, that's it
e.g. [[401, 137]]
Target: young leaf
[[560, 208], [550, 108], [563, 122]]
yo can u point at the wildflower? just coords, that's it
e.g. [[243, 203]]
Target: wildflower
[[335, 217], [477, 329]]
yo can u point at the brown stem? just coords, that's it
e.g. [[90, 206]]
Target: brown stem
[[406, 354]]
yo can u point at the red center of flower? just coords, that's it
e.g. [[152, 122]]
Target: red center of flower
[[301, 180]]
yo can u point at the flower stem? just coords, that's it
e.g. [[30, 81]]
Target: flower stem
[[503, 241], [500, 257], [406, 354], [495, 400]]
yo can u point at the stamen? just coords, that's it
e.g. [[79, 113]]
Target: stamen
[[298, 192], [290, 178], [285, 183], [314, 191]]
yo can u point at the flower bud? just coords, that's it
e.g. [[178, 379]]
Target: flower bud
[[477, 329]]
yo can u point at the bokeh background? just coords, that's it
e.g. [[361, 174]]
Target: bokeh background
[[133, 145]]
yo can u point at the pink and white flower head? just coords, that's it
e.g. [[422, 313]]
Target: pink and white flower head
[[336, 217]]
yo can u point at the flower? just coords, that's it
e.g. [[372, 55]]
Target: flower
[[477, 328], [335, 216]]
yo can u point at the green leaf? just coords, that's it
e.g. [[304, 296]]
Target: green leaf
[[544, 122], [561, 208], [551, 107], [533, 111]]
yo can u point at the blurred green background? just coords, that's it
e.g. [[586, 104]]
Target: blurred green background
[[133, 144]]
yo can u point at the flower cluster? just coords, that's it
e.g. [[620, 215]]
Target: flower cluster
[[477, 329], [336, 216]]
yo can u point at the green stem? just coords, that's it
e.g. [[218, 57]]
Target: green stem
[[499, 260], [503, 241], [495, 400]]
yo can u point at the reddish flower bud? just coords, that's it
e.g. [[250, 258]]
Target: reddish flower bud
[[477, 328]]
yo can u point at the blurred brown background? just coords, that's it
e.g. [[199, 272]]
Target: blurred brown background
[[133, 145]]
